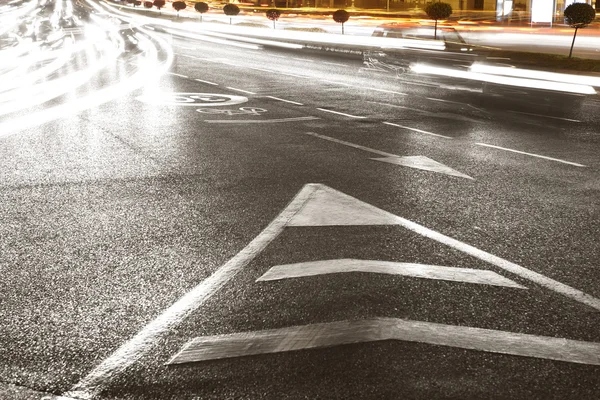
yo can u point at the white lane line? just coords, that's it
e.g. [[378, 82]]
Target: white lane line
[[356, 146], [332, 63], [173, 73], [544, 116], [454, 102], [387, 91], [144, 340], [417, 130], [337, 83], [334, 199], [210, 83], [531, 154], [340, 113], [262, 69], [284, 100], [259, 121], [338, 333], [240, 90], [435, 272]]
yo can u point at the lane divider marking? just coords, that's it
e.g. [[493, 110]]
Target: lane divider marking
[[531, 154], [240, 90], [210, 83], [417, 130], [340, 113], [286, 101]]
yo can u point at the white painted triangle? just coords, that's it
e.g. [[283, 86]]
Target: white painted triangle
[[327, 207], [424, 163]]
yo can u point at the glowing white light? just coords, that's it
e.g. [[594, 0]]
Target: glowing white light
[[503, 80], [533, 74], [542, 11]]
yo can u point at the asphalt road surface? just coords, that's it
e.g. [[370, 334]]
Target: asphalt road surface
[[267, 223]]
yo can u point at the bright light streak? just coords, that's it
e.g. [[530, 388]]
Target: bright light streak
[[214, 40], [149, 68], [502, 80], [247, 40], [533, 74]]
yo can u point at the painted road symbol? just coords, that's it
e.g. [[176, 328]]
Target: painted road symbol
[[240, 111], [192, 99], [318, 205]]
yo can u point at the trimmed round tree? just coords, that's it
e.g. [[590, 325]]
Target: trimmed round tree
[[273, 14], [178, 6], [231, 10], [159, 4], [201, 7], [341, 16], [437, 11], [578, 15], [137, 3], [148, 4]]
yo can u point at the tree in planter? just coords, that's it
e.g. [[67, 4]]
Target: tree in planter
[[341, 16], [159, 4], [137, 3], [578, 15], [201, 7], [438, 11], [178, 6], [273, 14], [148, 4], [231, 10]]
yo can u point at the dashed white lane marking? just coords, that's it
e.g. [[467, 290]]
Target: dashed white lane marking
[[417, 130], [544, 116], [340, 113], [356, 146], [145, 339], [387, 91], [173, 73], [338, 333], [435, 272], [531, 154], [259, 121], [286, 101], [207, 82], [240, 90]]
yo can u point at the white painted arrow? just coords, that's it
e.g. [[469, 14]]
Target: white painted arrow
[[377, 329], [313, 268], [424, 163]]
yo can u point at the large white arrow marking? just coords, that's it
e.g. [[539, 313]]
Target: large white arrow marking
[[424, 163], [438, 272], [377, 329]]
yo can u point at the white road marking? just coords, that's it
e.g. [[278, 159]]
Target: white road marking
[[387, 91], [261, 69], [332, 63], [435, 272], [144, 340], [417, 130], [336, 83], [321, 211], [210, 83], [544, 116], [338, 333], [453, 102], [356, 146], [284, 100], [240, 90], [424, 163], [173, 73], [340, 113], [531, 154], [260, 121]]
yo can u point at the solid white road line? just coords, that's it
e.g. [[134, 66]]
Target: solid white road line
[[338, 333], [210, 83], [284, 100], [340, 113], [435, 272], [531, 154], [259, 121], [417, 130], [173, 73], [545, 116], [145, 339], [240, 90]]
